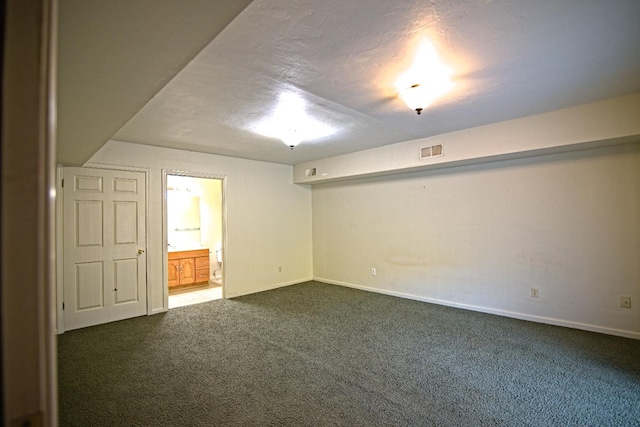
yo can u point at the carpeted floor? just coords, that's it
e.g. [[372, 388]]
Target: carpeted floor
[[316, 355]]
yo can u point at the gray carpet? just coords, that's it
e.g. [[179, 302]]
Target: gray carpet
[[316, 355]]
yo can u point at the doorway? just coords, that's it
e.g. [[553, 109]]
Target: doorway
[[194, 232]]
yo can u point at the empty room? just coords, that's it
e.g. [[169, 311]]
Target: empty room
[[409, 212]]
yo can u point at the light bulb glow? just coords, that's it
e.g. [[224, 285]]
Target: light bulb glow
[[290, 122], [427, 80]]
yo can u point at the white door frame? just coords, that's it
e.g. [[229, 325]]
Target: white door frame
[[165, 237], [59, 236]]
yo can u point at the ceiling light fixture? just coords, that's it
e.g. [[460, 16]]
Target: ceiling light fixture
[[413, 96], [290, 137], [425, 81], [289, 122]]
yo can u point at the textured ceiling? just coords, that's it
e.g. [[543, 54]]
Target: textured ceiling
[[510, 59], [115, 55]]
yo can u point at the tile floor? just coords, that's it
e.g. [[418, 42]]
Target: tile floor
[[195, 296]]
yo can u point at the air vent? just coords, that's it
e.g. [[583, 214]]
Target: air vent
[[310, 172], [431, 151]]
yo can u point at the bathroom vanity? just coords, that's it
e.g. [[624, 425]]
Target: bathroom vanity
[[188, 267]]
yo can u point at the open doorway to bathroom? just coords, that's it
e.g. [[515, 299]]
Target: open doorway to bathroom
[[194, 218]]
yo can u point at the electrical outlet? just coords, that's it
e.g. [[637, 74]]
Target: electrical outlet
[[625, 302], [534, 293], [279, 269], [373, 272]]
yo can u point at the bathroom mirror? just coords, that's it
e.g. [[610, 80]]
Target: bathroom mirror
[[187, 212]]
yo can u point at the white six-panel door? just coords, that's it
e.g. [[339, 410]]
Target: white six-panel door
[[104, 250]]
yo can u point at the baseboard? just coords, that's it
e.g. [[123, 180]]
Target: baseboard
[[267, 288], [489, 310]]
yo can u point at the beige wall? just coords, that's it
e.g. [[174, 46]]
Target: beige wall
[[211, 218], [268, 217], [481, 236], [27, 264]]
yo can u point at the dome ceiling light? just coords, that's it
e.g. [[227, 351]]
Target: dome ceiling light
[[427, 80], [289, 122]]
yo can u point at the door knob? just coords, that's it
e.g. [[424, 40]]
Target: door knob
[[140, 251]]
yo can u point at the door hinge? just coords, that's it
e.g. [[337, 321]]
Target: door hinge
[[63, 306], [62, 183]]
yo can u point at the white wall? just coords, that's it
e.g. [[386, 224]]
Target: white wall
[[481, 236], [602, 123], [268, 217]]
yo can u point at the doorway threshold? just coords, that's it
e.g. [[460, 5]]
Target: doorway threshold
[[194, 295]]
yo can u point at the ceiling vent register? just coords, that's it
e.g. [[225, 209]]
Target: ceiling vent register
[[431, 151]]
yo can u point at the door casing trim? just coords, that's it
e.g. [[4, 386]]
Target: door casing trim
[[165, 252]]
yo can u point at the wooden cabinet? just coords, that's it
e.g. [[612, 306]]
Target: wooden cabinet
[[173, 272], [188, 267], [202, 268]]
